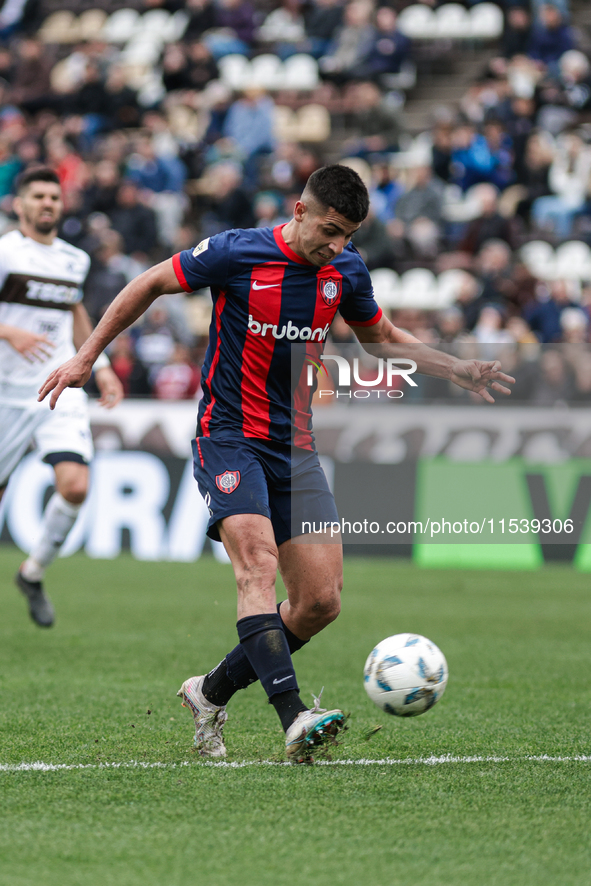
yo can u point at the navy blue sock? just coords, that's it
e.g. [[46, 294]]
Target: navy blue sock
[[293, 642], [240, 670], [265, 644], [288, 705], [235, 671], [219, 686]]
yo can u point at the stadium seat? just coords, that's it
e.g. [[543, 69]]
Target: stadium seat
[[120, 26], [59, 27], [155, 21], [572, 261], [184, 123], [538, 257], [63, 78], [313, 123], [405, 79], [417, 22], [90, 23], [419, 289], [300, 71], [285, 124], [452, 22], [136, 74], [386, 287], [266, 72], [421, 144], [234, 71], [142, 50], [152, 90], [198, 311], [486, 21], [459, 207], [176, 27], [449, 285], [417, 154]]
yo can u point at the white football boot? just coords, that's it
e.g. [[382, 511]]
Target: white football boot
[[209, 718], [311, 729]]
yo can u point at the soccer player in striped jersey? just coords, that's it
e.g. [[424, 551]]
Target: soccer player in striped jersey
[[42, 322], [254, 455]]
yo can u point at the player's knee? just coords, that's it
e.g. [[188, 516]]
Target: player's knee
[[75, 490], [332, 608], [327, 608]]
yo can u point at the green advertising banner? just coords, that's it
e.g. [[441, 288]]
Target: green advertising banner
[[511, 515]]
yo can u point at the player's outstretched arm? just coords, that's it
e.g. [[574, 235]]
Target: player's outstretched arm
[[110, 388], [480, 376], [124, 310]]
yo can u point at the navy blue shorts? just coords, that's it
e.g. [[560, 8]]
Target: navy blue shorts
[[248, 476]]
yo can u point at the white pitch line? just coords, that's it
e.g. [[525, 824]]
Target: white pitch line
[[223, 764]]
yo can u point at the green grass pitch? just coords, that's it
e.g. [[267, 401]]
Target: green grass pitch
[[99, 688]]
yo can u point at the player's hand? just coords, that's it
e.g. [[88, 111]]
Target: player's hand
[[72, 374], [30, 345], [481, 377], [109, 386]]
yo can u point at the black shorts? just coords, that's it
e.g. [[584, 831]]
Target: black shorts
[[249, 476]]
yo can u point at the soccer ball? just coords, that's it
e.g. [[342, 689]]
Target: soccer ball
[[405, 675]]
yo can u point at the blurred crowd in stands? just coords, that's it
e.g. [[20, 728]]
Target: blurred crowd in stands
[[157, 152]]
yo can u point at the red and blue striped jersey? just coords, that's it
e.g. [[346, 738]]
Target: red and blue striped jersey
[[266, 299]]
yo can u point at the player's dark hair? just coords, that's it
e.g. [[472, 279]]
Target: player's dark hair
[[340, 187], [36, 174]]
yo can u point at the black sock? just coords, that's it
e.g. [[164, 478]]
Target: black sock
[[265, 644], [240, 670], [288, 705], [293, 642], [235, 671], [218, 687]]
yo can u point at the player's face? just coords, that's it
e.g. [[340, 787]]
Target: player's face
[[40, 206], [322, 233]]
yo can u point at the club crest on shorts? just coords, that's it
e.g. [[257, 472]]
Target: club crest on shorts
[[330, 290], [228, 481]]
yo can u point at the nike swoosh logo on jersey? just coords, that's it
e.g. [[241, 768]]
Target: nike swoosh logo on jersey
[[255, 285], [283, 679]]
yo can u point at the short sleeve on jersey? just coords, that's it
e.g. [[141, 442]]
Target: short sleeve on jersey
[[360, 308], [205, 265]]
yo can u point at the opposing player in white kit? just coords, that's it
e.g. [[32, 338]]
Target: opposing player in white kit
[[43, 323]]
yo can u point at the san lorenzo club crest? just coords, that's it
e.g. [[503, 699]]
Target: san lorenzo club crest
[[228, 481], [330, 290]]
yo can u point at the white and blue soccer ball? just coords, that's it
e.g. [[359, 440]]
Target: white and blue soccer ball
[[405, 675]]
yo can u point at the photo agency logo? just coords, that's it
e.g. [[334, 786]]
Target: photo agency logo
[[359, 382]]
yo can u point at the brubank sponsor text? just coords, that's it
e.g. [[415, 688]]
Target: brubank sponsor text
[[291, 332]]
